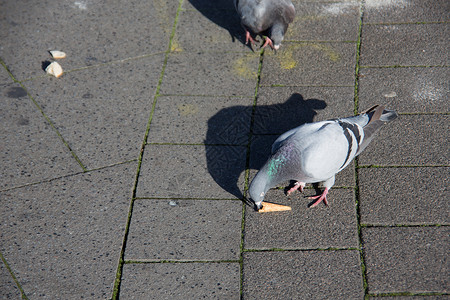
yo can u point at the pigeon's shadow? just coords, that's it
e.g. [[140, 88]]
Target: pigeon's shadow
[[222, 13], [228, 135]]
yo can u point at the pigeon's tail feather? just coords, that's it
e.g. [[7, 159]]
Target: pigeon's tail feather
[[377, 117], [388, 115]]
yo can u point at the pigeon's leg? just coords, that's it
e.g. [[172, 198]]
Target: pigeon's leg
[[268, 42], [320, 198], [297, 186], [323, 197], [248, 37]]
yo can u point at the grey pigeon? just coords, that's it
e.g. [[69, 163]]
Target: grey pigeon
[[316, 152], [259, 16]]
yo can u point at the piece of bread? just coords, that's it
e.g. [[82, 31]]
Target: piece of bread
[[54, 69], [272, 207], [56, 54]]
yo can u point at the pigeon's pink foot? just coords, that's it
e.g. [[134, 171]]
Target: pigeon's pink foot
[[321, 198], [268, 42], [248, 37], [297, 185]]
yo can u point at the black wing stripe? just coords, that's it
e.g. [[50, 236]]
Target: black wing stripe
[[350, 145], [353, 128]]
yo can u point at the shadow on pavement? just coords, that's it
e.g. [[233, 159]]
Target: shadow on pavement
[[222, 13]]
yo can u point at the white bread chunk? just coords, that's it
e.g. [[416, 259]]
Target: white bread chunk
[[54, 69]]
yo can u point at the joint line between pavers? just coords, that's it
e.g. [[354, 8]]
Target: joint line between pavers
[[299, 249], [401, 66], [19, 286], [118, 278], [356, 170], [179, 261], [366, 225], [52, 125], [395, 294], [247, 174], [188, 199], [405, 23], [7, 70]]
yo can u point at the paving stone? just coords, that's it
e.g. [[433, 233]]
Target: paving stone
[[302, 275], [310, 63], [431, 297], [211, 73], [31, 150], [404, 44], [187, 171], [303, 227], [9, 289], [180, 119], [185, 230], [180, 281], [89, 32], [406, 11], [209, 29], [411, 196], [324, 21], [101, 112], [410, 140], [405, 90], [260, 151], [4, 77], [280, 109], [63, 238], [406, 259]]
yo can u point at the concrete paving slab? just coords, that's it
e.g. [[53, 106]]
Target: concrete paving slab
[[302, 275], [405, 90], [196, 120], [89, 32], [404, 44], [209, 30], [280, 109], [9, 289], [410, 196], [310, 63], [5, 78], [303, 227], [180, 281], [101, 112], [192, 171], [211, 73], [422, 297], [31, 150], [62, 238], [406, 11], [180, 229], [337, 21], [410, 140], [402, 259]]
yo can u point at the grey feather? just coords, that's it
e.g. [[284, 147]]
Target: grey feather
[[261, 15], [315, 152]]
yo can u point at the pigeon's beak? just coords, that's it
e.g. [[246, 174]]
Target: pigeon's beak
[[258, 206]]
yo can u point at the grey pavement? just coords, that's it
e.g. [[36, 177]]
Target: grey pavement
[[125, 177]]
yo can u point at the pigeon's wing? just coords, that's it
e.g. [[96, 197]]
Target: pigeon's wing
[[302, 130], [289, 12]]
